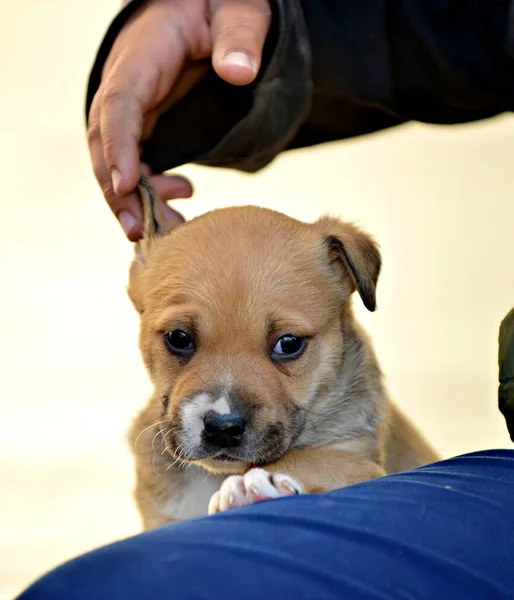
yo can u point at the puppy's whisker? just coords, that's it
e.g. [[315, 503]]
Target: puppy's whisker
[[164, 443], [177, 460], [146, 429], [180, 456], [172, 464], [176, 453], [153, 441], [167, 434]]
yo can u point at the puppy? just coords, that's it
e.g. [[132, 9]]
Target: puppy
[[264, 383]]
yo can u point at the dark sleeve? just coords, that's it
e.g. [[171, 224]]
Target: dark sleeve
[[506, 365], [335, 69]]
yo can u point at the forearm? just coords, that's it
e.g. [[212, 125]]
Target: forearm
[[219, 124], [421, 60], [334, 70]]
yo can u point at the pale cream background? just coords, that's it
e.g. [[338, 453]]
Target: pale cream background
[[440, 202]]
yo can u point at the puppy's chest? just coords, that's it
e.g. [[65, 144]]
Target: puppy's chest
[[190, 492]]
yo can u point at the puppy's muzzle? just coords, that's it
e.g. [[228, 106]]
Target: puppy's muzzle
[[227, 426], [214, 424], [224, 431]]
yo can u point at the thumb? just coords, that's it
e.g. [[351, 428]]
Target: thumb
[[239, 29]]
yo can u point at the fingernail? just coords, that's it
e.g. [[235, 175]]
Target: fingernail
[[237, 58], [127, 221], [116, 180]]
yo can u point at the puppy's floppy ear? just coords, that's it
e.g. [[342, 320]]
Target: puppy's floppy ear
[[357, 253], [155, 224]]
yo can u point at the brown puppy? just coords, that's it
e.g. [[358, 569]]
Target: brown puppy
[[265, 385]]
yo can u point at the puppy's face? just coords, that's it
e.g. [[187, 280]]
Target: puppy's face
[[241, 331]]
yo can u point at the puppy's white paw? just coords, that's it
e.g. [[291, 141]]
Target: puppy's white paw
[[256, 485]]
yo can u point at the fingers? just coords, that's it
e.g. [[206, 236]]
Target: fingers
[[121, 124], [239, 29], [147, 72], [167, 187], [127, 209], [114, 133], [171, 187], [142, 67]]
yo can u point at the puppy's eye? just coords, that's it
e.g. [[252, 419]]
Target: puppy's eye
[[288, 346], [179, 342]]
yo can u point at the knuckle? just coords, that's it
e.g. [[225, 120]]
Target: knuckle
[[108, 192], [240, 34], [110, 146], [93, 134], [111, 91], [112, 94], [253, 16]]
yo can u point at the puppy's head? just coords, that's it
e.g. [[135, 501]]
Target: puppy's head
[[241, 314]]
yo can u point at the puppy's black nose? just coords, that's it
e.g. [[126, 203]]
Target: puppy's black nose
[[224, 431]]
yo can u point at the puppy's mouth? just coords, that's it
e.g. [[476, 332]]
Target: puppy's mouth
[[225, 457], [252, 452], [200, 453], [229, 446]]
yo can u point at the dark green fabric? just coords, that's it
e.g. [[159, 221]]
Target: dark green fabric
[[506, 364]]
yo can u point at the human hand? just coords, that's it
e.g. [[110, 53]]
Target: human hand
[[159, 56]]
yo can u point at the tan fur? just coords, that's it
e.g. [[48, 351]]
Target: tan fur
[[239, 278]]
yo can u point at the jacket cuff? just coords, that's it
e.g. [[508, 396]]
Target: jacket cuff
[[221, 125]]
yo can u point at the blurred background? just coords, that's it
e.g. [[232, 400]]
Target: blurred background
[[438, 200]]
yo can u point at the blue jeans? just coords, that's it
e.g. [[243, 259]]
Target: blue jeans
[[444, 531]]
